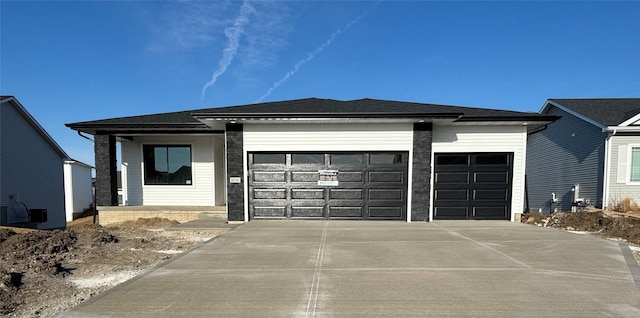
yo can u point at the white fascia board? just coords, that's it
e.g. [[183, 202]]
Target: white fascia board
[[630, 129], [550, 103]]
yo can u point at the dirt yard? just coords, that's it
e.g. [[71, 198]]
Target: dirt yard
[[43, 273], [610, 225]]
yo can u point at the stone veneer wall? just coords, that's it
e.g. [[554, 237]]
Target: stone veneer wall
[[421, 187], [106, 174], [235, 168]]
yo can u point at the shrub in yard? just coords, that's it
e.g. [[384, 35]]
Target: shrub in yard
[[626, 205]]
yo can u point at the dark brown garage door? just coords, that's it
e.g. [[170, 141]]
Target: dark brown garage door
[[472, 185], [346, 185]]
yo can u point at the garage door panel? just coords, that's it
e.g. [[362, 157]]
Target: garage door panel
[[269, 194], [306, 211], [495, 212], [269, 176], [490, 194], [345, 194], [384, 176], [385, 212], [269, 211], [304, 176], [345, 211], [452, 194], [385, 194], [350, 176], [491, 177], [307, 194], [452, 177], [459, 212]]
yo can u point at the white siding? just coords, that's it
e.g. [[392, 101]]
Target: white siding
[[220, 170], [487, 139], [77, 188], [30, 169], [619, 186], [326, 138], [201, 192]]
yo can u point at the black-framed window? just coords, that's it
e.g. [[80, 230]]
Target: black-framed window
[[492, 159], [346, 159], [167, 164], [269, 158], [307, 158], [453, 159], [384, 158]]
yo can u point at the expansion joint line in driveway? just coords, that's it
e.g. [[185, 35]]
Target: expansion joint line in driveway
[[315, 283], [454, 233]]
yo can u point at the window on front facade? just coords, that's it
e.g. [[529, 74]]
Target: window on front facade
[[169, 165], [635, 164]]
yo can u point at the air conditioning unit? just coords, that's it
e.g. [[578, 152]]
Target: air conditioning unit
[[38, 215]]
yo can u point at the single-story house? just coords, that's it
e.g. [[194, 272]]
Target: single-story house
[[319, 159], [32, 171], [589, 157]]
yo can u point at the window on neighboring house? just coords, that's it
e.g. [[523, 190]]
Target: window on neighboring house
[[635, 165], [165, 164]]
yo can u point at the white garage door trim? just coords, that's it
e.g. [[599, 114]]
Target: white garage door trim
[[327, 138], [489, 138]]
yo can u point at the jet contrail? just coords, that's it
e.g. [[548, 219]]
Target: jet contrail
[[233, 34], [311, 55]]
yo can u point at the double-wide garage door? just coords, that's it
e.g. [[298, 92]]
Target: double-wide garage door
[[472, 185], [345, 185]]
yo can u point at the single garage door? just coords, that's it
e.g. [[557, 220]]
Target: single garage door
[[472, 185], [345, 185]]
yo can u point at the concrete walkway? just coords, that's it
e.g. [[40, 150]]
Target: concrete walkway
[[385, 269]]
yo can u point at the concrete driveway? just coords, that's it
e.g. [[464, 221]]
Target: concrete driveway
[[385, 269]]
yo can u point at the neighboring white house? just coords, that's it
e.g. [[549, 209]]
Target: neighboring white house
[[319, 159], [78, 186], [32, 176]]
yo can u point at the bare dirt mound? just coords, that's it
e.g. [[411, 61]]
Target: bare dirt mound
[[45, 272], [596, 221]]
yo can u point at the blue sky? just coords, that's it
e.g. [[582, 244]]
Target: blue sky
[[85, 60]]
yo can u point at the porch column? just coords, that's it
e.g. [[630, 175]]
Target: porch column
[[106, 171], [235, 170], [421, 187]]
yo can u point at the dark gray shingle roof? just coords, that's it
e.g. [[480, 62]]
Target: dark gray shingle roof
[[370, 107], [310, 107], [607, 111]]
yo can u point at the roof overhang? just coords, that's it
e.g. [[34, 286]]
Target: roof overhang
[[219, 121], [151, 128], [550, 103], [34, 123], [622, 129]]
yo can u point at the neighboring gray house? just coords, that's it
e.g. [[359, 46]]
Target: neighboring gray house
[[590, 157], [31, 170], [316, 159]]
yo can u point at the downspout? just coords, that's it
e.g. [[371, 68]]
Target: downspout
[[607, 168]]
